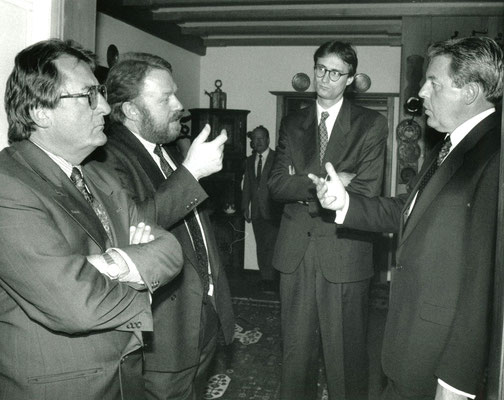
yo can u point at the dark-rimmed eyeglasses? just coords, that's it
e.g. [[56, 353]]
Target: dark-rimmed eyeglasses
[[92, 95], [334, 75]]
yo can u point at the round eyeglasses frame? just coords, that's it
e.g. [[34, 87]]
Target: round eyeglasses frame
[[91, 94], [334, 74]]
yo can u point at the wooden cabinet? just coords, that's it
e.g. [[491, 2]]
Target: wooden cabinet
[[224, 187]]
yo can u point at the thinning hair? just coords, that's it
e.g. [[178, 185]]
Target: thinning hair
[[126, 78], [343, 50], [474, 59], [35, 82]]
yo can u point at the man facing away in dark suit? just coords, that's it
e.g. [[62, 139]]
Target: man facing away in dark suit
[[74, 277], [189, 312], [258, 207], [438, 324], [325, 272]]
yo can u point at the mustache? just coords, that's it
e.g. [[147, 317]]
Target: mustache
[[176, 116]]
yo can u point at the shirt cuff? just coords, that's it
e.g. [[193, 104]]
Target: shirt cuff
[[341, 214], [133, 276], [456, 391]]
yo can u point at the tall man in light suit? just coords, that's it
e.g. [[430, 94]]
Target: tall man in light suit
[[325, 272], [67, 330], [189, 312], [438, 324], [258, 207]]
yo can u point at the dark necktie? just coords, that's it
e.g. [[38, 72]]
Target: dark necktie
[[259, 169], [194, 229], [324, 137], [78, 180], [443, 152]]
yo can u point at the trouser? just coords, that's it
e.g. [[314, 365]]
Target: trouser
[[188, 384], [315, 310], [265, 233]]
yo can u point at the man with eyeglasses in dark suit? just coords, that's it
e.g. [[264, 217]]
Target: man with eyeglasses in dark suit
[[325, 272]]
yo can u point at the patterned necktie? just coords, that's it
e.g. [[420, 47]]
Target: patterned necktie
[[443, 152], [194, 230], [259, 169], [78, 180], [324, 137], [165, 166]]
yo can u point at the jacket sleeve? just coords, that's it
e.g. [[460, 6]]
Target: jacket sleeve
[[47, 276], [285, 184]]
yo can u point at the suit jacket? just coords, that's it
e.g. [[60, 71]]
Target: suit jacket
[[177, 308], [256, 194], [356, 145], [65, 328], [438, 319]]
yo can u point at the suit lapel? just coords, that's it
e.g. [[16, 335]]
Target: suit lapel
[[443, 174], [267, 168], [52, 180], [338, 140], [308, 148]]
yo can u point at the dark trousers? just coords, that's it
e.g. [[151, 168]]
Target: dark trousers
[[265, 233], [188, 384], [394, 392], [316, 311]]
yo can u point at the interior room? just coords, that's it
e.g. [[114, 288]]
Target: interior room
[[255, 52]]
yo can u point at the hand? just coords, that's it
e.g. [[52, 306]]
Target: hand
[[205, 158], [140, 234], [346, 177], [331, 190]]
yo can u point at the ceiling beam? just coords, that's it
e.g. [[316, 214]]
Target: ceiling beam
[[142, 19], [308, 11], [213, 3], [315, 40], [287, 27]]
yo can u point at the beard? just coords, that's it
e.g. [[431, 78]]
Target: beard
[[164, 131]]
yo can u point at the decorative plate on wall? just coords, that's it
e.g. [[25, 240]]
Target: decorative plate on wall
[[408, 131], [409, 152], [300, 82]]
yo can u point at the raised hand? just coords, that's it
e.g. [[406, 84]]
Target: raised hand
[[205, 158], [330, 190]]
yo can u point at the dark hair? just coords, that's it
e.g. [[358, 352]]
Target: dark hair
[[125, 79], [260, 128], [35, 82], [342, 49], [474, 59]]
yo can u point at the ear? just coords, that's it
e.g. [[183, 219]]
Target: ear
[[350, 80], [470, 92], [41, 116], [130, 110]]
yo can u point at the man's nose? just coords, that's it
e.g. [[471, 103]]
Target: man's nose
[[103, 107]]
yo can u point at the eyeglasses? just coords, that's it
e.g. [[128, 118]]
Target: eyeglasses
[[92, 95], [334, 75]]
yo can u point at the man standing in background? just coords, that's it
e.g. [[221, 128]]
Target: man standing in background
[[141, 151], [259, 208], [325, 272]]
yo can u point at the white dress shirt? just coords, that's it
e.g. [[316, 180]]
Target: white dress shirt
[[331, 119]]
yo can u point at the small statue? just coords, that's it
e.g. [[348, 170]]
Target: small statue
[[218, 97]]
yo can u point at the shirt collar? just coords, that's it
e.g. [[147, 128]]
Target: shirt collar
[[333, 110], [264, 154], [65, 166], [149, 146], [462, 130]]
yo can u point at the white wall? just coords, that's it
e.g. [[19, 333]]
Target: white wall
[[22, 22], [248, 75], [186, 65]]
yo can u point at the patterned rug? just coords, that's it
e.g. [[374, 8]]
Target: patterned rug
[[250, 367]]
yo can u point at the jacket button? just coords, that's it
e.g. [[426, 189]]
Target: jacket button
[[398, 267], [309, 234], [173, 297]]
